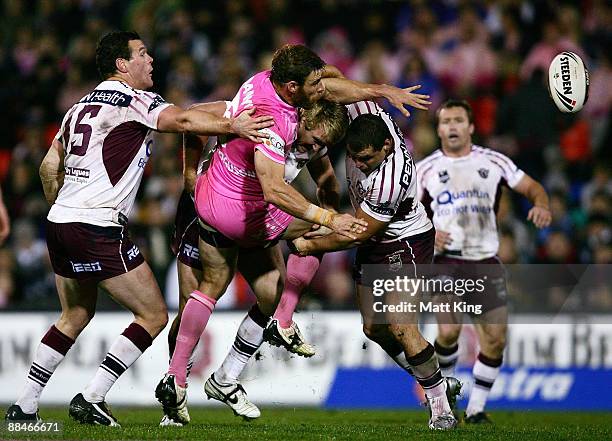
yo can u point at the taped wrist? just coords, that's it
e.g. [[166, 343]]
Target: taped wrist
[[319, 215]]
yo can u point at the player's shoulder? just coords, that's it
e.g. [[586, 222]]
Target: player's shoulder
[[430, 159], [362, 108], [120, 94], [488, 153]]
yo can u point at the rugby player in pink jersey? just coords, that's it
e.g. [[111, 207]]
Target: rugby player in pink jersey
[[90, 176], [243, 200], [321, 125]]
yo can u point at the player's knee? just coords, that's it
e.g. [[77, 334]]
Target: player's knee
[[373, 332], [448, 334], [156, 318], [75, 320], [494, 345]]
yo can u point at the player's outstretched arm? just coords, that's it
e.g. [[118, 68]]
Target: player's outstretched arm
[[284, 196], [52, 171], [175, 119], [535, 193], [335, 242], [328, 188], [5, 222], [345, 91], [193, 145]]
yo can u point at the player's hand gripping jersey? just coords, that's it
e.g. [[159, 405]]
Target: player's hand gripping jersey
[[463, 194], [389, 193], [107, 142]]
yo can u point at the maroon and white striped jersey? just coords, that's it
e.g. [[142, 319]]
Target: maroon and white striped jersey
[[107, 142], [463, 194], [389, 193]]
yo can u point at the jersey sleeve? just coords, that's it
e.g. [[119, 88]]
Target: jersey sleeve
[[145, 108], [390, 186], [59, 136], [274, 146], [510, 172]]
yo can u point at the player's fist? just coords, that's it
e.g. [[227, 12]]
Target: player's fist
[[443, 240], [317, 231], [540, 216], [348, 225]]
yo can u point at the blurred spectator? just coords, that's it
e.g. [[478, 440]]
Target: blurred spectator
[[513, 228], [33, 269], [470, 63], [557, 249], [553, 41], [530, 117], [561, 218], [5, 222]]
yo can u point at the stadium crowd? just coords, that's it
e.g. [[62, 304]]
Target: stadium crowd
[[495, 54]]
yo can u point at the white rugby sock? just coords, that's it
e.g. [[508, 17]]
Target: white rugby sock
[[122, 354], [248, 339], [49, 354], [485, 372], [447, 358]]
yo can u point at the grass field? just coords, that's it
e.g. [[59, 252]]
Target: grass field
[[314, 424]]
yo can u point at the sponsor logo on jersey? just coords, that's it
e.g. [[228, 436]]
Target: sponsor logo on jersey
[[443, 176], [274, 142], [79, 267], [77, 172], [383, 208], [483, 172], [158, 101], [111, 97], [449, 197]]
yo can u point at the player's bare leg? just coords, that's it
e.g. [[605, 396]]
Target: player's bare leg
[[419, 353], [282, 330], [379, 332], [78, 301], [492, 328], [266, 279], [136, 290], [218, 266]]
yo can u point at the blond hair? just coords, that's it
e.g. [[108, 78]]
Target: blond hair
[[332, 117]]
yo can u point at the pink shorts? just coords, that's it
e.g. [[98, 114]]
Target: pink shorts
[[248, 223]]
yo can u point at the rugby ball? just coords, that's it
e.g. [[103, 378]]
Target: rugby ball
[[568, 82]]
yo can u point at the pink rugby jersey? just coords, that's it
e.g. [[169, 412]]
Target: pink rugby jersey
[[232, 172]]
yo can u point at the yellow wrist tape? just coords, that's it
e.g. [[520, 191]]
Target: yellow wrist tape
[[319, 215]]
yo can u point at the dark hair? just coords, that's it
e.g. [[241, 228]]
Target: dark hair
[[110, 47], [456, 103], [367, 130], [294, 62]]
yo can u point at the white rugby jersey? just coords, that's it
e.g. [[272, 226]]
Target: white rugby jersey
[[389, 193], [295, 161], [107, 142], [463, 194]]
